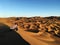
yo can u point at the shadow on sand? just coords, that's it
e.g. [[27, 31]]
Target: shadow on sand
[[10, 37]]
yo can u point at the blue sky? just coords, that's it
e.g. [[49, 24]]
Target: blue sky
[[29, 8]]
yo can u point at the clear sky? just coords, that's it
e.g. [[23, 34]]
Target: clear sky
[[29, 8]]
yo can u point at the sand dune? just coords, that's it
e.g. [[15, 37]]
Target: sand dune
[[34, 39], [43, 36], [10, 37]]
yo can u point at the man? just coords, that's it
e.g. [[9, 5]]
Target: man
[[14, 27]]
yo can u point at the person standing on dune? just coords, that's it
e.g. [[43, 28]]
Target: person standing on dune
[[14, 27]]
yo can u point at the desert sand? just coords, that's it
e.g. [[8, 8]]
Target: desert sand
[[39, 38]]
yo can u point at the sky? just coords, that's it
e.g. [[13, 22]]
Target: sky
[[29, 8]]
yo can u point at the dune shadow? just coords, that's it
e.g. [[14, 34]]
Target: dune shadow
[[34, 31], [10, 37]]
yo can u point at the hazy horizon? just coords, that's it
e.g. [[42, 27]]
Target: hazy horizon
[[29, 8]]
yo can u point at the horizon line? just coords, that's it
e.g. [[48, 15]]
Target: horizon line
[[28, 16]]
